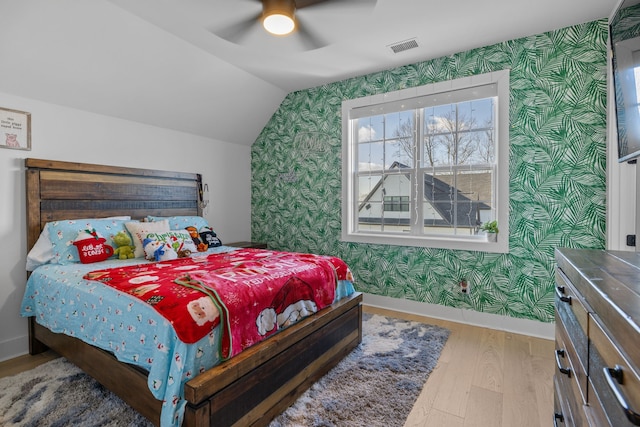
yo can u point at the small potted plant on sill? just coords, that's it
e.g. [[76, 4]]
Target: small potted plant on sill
[[491, 228]]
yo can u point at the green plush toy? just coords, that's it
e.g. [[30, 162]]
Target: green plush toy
[[124, 248]]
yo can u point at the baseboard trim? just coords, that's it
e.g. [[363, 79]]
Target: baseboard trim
[[14, 347], [493, 321]]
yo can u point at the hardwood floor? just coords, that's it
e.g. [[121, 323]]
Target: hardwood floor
[[24, 363], [484, 378]]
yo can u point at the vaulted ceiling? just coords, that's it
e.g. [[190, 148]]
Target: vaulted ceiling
[[180, 64]]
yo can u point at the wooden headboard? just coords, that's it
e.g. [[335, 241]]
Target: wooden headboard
[[65, 190]]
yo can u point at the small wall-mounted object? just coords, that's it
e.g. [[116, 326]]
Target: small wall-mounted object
[[203, 193], [15, 129], [465, 286], [631, 239]]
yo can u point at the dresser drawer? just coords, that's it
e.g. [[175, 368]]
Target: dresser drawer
[[561, 407], [614, 379], [568, 413], [568, 296], [594, 411], [573, 317], [569, 370]]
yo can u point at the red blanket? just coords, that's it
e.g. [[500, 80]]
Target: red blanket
[[252, 293]]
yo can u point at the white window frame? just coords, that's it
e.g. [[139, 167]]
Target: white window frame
[[501, 189]]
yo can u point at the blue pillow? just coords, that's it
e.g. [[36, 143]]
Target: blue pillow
[[63, 233], [181, 222]]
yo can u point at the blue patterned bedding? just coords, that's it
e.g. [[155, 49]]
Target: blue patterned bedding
[[132, 330]]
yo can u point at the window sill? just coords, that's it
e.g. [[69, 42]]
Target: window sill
[[472, 243]]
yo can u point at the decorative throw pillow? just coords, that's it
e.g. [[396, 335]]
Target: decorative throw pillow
[[179, 240], [92, 247], [197, 240], [63, 233], [209, 237], [139, 231], [181, 222]]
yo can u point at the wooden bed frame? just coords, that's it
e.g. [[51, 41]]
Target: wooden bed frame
[[248, 390]]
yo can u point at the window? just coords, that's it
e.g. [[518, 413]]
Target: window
[[396, 203], [428, 166]]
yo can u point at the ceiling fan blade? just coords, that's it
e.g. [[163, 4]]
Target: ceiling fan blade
[[304, 3], [237, 32], [310, 39], [336, 4]]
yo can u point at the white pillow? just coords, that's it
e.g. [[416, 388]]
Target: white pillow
[[139, 231], [42, 251]]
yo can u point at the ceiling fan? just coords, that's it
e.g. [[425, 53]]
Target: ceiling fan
[[279, 19]]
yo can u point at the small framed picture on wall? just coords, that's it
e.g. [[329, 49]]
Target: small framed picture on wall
[[15, 129]]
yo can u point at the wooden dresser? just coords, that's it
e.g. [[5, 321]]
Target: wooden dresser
[[597, 378]]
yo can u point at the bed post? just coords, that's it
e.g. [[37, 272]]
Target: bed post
[[34, 222], [33, 232]]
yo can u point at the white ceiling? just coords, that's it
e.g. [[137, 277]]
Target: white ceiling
[[160, 62]]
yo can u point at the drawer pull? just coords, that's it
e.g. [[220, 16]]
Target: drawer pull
[[561, 296], [614, 377], [557, 417], [566, 371]]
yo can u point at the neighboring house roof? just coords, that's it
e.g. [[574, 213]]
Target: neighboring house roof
[[470, 189]]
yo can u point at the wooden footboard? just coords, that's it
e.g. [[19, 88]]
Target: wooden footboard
[[248, 390], [262, 381]]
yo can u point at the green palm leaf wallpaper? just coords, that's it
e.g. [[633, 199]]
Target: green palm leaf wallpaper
[[557, 175]]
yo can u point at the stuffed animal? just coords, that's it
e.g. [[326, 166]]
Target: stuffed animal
[[124, 249], [158, 251], [150, 246], [165, 253], [183, 253], [195, 236]]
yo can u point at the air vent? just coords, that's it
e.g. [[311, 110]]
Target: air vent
[[403, 45]]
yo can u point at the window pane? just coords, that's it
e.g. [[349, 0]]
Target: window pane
[[466, 147], [399, 125], [400, 151], [439, 137], [481, 112], [443, 149], [476, 190], [366, 186], [440, 119], [396, 196], [480, 147], [370, 156], [369, 217], [438, 208], [370, 128]]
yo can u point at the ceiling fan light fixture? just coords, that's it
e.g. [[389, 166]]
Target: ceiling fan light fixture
[[277, 16]]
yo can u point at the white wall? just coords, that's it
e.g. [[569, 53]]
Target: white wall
[[60, 133]]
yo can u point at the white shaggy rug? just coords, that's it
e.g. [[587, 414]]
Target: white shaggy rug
[[375, 385]]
